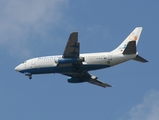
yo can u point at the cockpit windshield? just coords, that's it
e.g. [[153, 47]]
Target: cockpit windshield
[[25, 61]]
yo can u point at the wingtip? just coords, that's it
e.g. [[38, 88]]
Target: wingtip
[[109, 86]]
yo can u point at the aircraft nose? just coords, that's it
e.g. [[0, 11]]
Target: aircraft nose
[[16, 68]]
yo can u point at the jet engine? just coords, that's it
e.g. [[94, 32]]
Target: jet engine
[[76, 80], [81, 79]]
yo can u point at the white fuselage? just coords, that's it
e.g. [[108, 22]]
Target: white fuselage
[[92, 61]]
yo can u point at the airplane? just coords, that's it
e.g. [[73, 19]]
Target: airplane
[[76, 65]]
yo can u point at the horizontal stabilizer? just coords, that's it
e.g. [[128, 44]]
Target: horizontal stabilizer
[[140, 59], [130, 48]]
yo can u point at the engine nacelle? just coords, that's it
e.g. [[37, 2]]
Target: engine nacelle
[[68, 60], [94, 77], [76, 80]]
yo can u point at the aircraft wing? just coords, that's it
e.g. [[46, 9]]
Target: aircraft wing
[[72, 50], [86, 77], [72, 47]]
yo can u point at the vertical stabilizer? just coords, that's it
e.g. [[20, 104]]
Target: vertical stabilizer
[[134, 36]]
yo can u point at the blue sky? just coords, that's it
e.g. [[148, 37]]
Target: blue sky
[[38, 28]]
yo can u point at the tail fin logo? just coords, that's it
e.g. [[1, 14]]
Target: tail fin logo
[[133, 37]]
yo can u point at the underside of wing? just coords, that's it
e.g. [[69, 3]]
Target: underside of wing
[[72, 47], [99, 83], [85, 77]]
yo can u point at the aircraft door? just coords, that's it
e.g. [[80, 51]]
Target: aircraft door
[[110, 56], [25, 65], [33, 62]]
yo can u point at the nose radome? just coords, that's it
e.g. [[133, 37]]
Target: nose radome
[[19, 68], [16, 68]]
